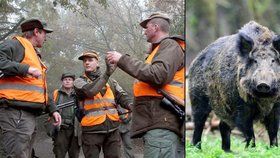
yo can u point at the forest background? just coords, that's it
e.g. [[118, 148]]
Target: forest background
[[208, 20], [81, 25]]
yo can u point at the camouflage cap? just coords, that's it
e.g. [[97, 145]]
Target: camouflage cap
[[91, 54], [31, 24], [154, 15]]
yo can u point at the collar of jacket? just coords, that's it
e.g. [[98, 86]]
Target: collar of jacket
[[62, 90], [93, 75], [154, 45]]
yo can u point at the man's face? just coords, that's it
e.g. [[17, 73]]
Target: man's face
[[90, 64], [150, 32], [40, 37], [67, 82]]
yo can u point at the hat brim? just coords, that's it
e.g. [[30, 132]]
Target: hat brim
[[89, 56], [71, 76], [48, 30], [144, 23]]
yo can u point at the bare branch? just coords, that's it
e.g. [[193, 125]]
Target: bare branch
[[12, 30]]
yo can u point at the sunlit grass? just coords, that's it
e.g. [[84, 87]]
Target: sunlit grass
[[211, 148]]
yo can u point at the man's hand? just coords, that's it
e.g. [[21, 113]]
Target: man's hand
[[110, 68], [113, 57], [34, 72], [57, 119]]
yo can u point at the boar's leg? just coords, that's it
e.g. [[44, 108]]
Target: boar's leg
[[244, 121], [249, 134], [272, 124], [201, 110], [225, 133]]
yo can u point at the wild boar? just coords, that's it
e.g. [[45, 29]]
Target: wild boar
[[237, 77]]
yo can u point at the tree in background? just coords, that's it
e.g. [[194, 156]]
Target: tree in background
[[81, 25], [208, 20]]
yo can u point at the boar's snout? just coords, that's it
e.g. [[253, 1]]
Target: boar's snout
[[264, 84], [263, 88]]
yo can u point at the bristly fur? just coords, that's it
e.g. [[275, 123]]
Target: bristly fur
[[224, 76]]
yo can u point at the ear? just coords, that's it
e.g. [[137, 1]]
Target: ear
[[276, 43], [245, 44], [157, 27], [35, 31]]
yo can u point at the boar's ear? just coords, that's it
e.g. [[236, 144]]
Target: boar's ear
[[276, 43], [245, 44]]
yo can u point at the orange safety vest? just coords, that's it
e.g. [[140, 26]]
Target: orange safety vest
[[26, 88], [55, 95], [99, 107], [175, 87]]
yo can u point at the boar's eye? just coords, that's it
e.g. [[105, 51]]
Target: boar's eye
[[245, 44], [276, 43]]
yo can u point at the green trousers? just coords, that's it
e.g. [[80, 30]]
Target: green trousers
[[66, 142], [110, 143], [127, 145], [18, 132], [161, 143]]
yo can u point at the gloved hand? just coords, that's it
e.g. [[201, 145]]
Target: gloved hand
[[110, 68]]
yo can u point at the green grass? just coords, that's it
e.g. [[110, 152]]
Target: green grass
[[211, 148]]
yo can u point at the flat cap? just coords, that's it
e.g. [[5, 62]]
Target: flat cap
[[154, 15], [91, 54], [31, 24], [64, 75]]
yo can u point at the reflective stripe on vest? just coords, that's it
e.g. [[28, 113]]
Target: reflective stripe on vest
[[28, 88], [101, 111], [87, 102], [99, 107], [20, 86], [175, 87]]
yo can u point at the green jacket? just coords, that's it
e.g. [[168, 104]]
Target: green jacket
[[67, 114], [11, 54], [147, 112], [85, 88]]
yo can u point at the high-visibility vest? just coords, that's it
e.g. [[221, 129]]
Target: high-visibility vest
[[26, 88], [55, 96], [99, 107], [175, 87], [124, 114]]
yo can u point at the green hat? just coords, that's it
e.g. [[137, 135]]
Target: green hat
[[154, 15], [31, 24], [64, 75]]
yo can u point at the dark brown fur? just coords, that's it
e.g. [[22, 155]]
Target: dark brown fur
[[237, 77]]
